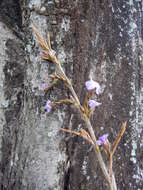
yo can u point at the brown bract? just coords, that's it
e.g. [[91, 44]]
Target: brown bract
[[47, 53]]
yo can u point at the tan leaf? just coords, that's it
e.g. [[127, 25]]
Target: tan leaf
[[117, 140], [85, 135], [48, 40], [70, 131], [82, 134], [40, 38]]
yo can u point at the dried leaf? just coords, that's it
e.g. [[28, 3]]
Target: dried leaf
[[40, 38], [64, 101], [120, 134], [82, 134], [85, 105], [107, 148], [85, 134], [70, 131], [55, 81], [47, 53], [90, 112], [48, 39]]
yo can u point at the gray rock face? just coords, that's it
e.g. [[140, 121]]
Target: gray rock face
[[98, 39]]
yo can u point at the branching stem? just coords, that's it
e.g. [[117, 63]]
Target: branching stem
[[90, 129], [48, 55]]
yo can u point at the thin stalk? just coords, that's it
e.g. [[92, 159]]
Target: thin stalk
[[111, 163], [48, 55], [97, 150], [91, 131], [113, 185]]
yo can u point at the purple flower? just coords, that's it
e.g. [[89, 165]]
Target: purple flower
[[48, 106], [43, 86], [98, 90], [102, 140], [91, 85], [93, 104]]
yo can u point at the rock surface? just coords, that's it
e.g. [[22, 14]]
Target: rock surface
[[98, 39]]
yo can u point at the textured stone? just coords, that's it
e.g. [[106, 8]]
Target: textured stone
[[98, 39]]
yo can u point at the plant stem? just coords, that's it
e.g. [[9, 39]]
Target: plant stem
[[96, 149], [113, 185], [109, 179], [111, 162], [48, 55]]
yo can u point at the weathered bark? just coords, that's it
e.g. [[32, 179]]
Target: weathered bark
[[102, 39]]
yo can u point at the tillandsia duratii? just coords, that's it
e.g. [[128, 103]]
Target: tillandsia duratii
[[86, 110]]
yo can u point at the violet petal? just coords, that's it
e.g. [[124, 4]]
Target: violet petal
[[48, 106]]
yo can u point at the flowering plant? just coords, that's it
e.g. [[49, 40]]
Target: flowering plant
[[86, 110]]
